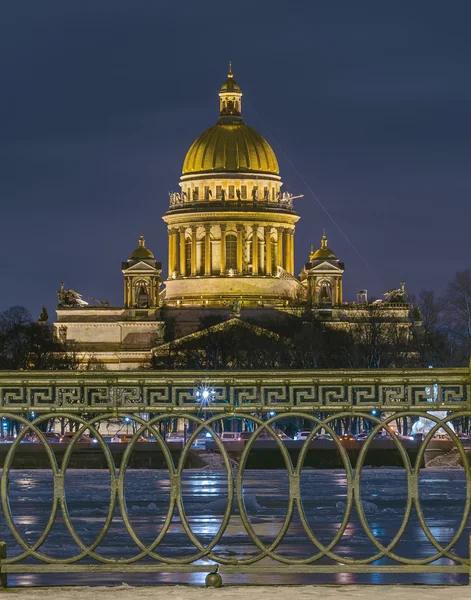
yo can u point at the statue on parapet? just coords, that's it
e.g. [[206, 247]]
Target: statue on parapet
[[70, 298], [43, 317], [235, 306], [399, 295]]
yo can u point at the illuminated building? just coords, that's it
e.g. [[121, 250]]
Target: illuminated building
[[231, 232]]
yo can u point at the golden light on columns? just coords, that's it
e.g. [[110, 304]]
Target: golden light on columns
[[230, 192]]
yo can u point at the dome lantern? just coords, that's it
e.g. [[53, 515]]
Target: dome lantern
[[230, 96], [141, 252], [324, 251]]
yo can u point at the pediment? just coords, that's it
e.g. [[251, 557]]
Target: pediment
[[326, 267], [141, 267]]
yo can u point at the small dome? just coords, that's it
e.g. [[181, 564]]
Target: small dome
[[230, 85], [324, 251], [142, 253], [230, 146]]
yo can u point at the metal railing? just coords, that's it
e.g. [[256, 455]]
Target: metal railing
[[259, 398]]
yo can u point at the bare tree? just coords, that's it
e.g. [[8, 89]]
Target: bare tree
[[456, 305]]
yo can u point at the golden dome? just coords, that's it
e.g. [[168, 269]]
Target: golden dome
[[230, 146], [324, 251], [141, 253]]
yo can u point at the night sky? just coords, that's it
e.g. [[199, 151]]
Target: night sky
[[366, 102]]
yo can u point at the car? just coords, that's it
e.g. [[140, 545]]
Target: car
[[326, 436], [83, 439], [128, 437], [230, 436], [201, 439], [282, 435], [8, 439], [52, 437], [176, 436], [302, 435], [246, 435]]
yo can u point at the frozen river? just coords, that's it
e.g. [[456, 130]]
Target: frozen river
[[204, 493]]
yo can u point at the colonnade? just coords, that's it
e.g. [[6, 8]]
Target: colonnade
[[274, 245]]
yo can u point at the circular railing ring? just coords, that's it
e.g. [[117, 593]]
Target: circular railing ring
[[383, 550], [206, 551], [89, 550], [444, 551], [147, 550], [326, 550], [264, 550], [29, 550]]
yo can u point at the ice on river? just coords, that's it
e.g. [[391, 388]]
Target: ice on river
[[266, 499]]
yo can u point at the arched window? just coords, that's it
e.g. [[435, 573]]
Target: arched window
[[188, 256], [141, 293], [231, 252]]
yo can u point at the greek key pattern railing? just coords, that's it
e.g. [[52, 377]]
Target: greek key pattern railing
[[418, 389], [313, 397]]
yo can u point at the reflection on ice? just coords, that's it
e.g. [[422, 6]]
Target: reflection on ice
[[266, 497]]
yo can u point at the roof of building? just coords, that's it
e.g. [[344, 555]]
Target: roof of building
[[141, 252], [230, 145], [324, 252]]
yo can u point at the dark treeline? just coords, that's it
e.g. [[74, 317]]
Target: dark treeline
[[437, 332], [26, 344]]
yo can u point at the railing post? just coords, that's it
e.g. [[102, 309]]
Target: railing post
[[3, 575]]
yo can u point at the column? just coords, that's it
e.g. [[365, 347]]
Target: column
[[254, 250], [182, 252], [172, 252], [291, 251], [268, 257], [207, 249], [240, 249], [314, 291], [223, 227], [280, 247], [340, 291], [286, 245], [193, 250]]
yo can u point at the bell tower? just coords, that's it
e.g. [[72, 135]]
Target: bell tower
[[142, 278], [322, 276]]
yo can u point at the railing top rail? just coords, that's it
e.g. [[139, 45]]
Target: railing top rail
[[251, 391]]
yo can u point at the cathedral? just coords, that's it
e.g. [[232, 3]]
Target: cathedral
[[231, 230]]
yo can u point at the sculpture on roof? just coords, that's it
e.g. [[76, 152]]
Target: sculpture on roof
[[70, 298]]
